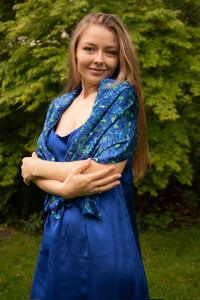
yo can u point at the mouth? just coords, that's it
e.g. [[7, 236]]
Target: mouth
[[97, 71]]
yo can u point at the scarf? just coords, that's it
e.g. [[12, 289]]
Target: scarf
[[108, 136]]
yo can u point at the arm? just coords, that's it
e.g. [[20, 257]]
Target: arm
[[33, 167], [79, 184], [84, 178]]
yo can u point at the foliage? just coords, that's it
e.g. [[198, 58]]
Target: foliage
[[33, 67], [35, 224], [175, 207]]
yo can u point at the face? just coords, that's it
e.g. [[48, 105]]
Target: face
[[97, 54]]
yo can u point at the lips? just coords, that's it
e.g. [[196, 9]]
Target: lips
[[97, 71]]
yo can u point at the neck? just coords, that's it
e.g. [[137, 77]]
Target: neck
[[87, 90]]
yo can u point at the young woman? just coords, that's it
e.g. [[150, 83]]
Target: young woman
[[90, 248]]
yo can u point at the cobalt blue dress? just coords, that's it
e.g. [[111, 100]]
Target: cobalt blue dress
[[84, 258]]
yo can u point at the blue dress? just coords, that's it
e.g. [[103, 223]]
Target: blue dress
[[83, 258]]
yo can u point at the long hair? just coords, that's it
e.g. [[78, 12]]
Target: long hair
[[128, 70]]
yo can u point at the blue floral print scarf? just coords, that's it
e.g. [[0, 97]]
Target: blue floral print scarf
[[108, 136]]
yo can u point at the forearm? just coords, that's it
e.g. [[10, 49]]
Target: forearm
[[60, 170], [78, 184], [54, 170], [49, 186]]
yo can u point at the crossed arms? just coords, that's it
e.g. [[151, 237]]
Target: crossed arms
[[71, 179]]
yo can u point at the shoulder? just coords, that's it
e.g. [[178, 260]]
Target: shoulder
[[59, 100], [116, 89], [57, 106], [119, 96], [64, 100], [66, 97]]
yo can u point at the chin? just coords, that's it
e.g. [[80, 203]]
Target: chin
[[96, 81]]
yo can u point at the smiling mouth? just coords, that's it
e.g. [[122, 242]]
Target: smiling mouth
[[97, 70]]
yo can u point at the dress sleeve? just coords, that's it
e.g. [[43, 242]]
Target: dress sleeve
[[119, 141]]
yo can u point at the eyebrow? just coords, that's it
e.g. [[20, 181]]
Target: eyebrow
[[110, 46]]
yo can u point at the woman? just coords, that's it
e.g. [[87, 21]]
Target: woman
[[90, 247]]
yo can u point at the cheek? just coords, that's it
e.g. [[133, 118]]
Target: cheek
[[83, 59], [115, 64], [79, 63]]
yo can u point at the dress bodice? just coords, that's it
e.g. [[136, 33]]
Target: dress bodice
[[60, 144]]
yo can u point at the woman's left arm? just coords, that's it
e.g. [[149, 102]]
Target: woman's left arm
[[80, 183], [33, 167]]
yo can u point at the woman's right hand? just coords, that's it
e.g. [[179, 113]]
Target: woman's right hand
[[27, 167], [78, 184]]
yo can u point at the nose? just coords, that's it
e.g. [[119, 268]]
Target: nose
[[99, 57]]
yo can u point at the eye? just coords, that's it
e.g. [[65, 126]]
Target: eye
[[112, 52], [89, 49]]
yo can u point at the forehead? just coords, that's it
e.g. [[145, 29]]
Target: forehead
[[98, 34]]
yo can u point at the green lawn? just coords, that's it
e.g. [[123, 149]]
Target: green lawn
[[171, 260], [172, 263]]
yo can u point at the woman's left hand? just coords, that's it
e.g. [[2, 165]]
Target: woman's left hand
[[27, 168], [78, 184]]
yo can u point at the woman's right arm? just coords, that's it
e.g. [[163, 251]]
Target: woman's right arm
[[33, 167]]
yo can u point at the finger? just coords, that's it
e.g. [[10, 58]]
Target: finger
[[109, 186], [107, 180], [101, 174], [27, 182], [106, 187], [34, 155], [85, 164]]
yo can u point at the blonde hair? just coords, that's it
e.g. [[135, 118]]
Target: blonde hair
[[128, 70]]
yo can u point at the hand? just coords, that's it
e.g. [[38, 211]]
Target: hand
[[27, 167], [78, 184]]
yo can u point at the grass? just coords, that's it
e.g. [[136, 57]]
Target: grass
[[172, 263], [171, 260], [18, 256]]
